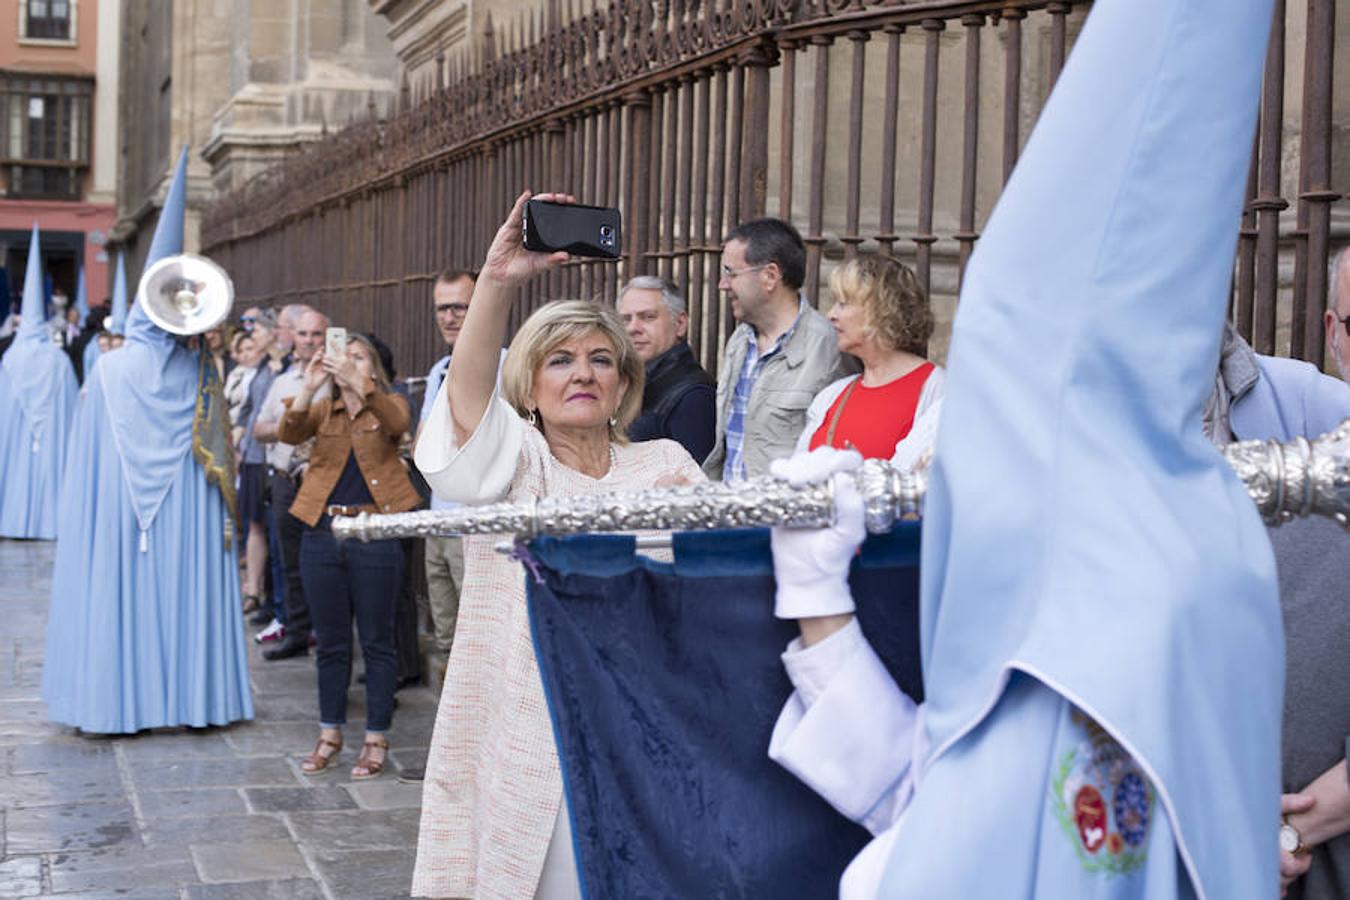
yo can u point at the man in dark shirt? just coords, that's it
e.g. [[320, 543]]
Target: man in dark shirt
[[679, 400]]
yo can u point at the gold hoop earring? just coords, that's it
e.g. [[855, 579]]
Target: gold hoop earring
[[613, 421]]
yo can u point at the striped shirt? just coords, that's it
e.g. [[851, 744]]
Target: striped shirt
[[734, 468]]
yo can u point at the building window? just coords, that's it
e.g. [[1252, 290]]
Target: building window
[[45, 130], [47, 20]]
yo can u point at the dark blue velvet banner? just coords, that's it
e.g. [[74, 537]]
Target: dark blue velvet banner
[[664, 681]]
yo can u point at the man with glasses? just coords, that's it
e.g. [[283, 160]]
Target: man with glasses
[[450, 298], [1337, 316], [778, 358]]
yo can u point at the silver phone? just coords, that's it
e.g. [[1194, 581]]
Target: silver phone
[[335, 343]]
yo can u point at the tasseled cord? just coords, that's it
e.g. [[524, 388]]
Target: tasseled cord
[[145, 540]]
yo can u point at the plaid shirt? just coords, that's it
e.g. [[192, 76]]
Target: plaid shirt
[[734, 468]]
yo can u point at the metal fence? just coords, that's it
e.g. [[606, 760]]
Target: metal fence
[[869, 123]]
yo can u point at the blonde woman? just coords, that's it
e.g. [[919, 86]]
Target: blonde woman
[[890, 411], [493, 824]]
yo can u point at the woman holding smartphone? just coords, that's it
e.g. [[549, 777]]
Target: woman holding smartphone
[[493, 822], [347, 405]]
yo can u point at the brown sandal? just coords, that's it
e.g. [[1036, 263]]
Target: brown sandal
[[317, 762], [374, 768]]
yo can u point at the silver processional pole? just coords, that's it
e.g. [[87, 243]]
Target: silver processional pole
[[1285, 480]]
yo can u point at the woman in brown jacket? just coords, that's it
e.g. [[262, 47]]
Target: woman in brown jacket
[[347, 406]]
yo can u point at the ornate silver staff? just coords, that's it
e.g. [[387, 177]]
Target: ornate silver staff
[[1298, 478]]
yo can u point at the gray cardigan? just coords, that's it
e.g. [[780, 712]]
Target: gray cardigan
[[776, 414]]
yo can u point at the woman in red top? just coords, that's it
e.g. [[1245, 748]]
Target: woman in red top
[[890, 411]]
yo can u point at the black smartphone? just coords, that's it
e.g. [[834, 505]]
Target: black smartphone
[[594, 231]]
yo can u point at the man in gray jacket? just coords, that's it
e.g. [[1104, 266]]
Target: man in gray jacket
[[778, 358], [1265, 398]]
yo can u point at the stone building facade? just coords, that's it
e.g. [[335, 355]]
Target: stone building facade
[[428, 34], [296, 71], [241, 83], [58, 138]]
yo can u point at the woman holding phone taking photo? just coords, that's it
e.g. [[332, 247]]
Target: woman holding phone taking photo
[[493, 822], [347, 405]]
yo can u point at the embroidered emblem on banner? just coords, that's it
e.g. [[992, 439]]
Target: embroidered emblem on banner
[[1103, 801]]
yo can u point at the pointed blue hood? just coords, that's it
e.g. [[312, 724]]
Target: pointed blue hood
[[117, 321], [35, 366], [150, 385], [82, 297], [34, 309], [168, 241]]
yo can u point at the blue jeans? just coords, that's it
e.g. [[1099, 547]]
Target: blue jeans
[[344, 581]]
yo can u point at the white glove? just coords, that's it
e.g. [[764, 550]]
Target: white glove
[[811, 564]]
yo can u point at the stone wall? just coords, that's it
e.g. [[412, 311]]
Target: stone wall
[[296, 71]]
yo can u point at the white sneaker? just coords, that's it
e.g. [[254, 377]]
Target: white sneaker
[[274, 632]]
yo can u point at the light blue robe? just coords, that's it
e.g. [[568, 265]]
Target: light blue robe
[[116, 321], [144, 629], [1084, 547], [38, 390], [91, 354], [141, 639], [32, 459]]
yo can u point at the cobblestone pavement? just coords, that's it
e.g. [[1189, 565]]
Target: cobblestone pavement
[[178, 813]]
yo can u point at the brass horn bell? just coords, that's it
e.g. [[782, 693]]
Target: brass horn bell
[[186, 294]]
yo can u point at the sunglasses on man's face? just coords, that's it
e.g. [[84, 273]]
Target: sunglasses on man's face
[[1345, 323]]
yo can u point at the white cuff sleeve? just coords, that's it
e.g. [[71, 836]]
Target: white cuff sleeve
[[800, 596], [480, 471], [811, 668], [848, 732]]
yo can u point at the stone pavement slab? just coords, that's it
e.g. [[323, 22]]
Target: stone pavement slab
[[267, 738], [119, 868], [191, 802], [185, 832], [206, 814], [80, 826], [149, 894], [248, 861], [213, 773], [51, 756], [386, 793], [59, 787], [307, 799], [21, 876], [373, 874], [355, 829], [149, 749], [294, 889]]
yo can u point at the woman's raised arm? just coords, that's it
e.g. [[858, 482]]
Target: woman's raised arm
[[473, 365]]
